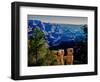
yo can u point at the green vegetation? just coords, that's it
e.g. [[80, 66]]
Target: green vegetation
[[38, 52]]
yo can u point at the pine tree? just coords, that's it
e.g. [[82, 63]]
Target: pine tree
[[38, 51], [36, 42]]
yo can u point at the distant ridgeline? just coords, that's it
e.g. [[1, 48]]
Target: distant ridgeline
[[59, 35]]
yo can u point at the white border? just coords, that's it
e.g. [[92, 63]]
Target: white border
[[25, 70]]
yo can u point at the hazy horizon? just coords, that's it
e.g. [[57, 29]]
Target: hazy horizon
[[59, 19]]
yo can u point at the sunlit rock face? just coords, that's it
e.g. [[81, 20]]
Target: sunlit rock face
[[58, 34]]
